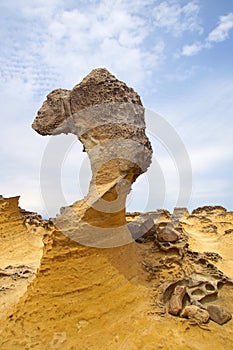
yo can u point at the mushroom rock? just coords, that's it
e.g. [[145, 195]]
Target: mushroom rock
[[108, 118]]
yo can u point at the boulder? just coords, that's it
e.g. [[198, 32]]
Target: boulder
[[218, 314], [167, 235], [195, 313], [175, 303], [141, 227]]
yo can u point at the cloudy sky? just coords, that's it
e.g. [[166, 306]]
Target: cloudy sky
[[177, 54]]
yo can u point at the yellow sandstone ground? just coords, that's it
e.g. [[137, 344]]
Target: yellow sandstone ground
[[87, 298]]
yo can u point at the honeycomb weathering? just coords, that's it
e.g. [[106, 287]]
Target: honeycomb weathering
[[98, 87], [108, 118]]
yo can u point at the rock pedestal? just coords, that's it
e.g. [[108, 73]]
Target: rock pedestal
[[108, 118]]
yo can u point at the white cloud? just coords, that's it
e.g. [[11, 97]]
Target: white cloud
[[202, 117], [211, 192], [176, 19], [221, 32], [190, 50], [106, 34], [62, 41]]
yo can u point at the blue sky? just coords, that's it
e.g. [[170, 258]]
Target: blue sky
[[177, 54]]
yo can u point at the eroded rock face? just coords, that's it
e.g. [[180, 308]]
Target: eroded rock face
[[207, 209], [108, 118]]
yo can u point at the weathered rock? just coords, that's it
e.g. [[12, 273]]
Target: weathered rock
[[218, 314], [208, 209], [108, 118], [230, 231], [141, 227], [180, 213], [213, 256], [201, 285], [97, 88], [179, 247], [195, 313], [9, 210], [167, 235], [175, 303]]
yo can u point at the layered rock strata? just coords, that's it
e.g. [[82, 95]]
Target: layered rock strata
[[21, 250]]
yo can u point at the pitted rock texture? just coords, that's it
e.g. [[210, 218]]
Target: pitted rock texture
[[108, 118], [98, 87], [183, 277]]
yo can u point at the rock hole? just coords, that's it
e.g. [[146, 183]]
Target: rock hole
[[197, 292], [209, 298], [209, 287], [202, 261]]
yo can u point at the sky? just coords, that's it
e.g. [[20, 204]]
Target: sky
[[177, 54]]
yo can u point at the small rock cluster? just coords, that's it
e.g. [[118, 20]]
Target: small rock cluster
[[187, 296], [34, 221], [198, 313]]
